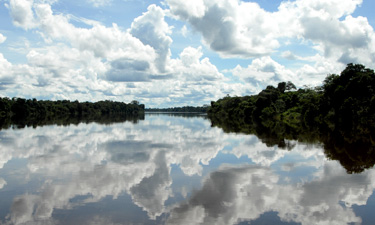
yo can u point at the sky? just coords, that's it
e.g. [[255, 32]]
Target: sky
[[172, 53]]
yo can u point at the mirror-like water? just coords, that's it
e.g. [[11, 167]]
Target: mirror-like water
[[172, 170]]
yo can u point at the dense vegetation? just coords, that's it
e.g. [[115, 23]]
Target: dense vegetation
[[22, 112], [187, 109], [340, 114], [346, 100]]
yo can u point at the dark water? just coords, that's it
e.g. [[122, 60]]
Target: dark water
[[172, 170]]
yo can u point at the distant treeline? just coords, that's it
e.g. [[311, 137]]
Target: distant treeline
[[198, 109], [346, 101], [18, 109]]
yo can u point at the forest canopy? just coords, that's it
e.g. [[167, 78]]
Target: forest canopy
[[18, 109], [346, 100], [340, 115]]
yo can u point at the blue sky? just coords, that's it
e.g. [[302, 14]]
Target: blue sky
[[174, 52]]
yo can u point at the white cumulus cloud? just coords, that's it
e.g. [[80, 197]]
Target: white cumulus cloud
[[152, 30], [243, 29], [22, 13], [91, 59]]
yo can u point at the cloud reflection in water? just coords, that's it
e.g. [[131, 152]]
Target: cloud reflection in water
[[86, 164]]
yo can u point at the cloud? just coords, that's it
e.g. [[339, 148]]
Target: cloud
[[231, 28], [330, 25], [289, 55], [5, 66], [6, 73], [184, 31], [191, 79], [265, 153], [94, 56], [223, 196], [136, 160], [22, 209], [260, 153], [22, 13], [2, 183], [111, 164], [104, 42], [96, 61], [152, 192], [99, 3], [266, 71], [127, 70], [263, 71], [62, 71], [152, 30], [233, 194], [2, 38], [190, 67], [184, 10], [243, 29]]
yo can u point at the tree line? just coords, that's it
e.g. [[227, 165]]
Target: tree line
[[193, 109], [17, 110], [346, 100], [340, 115]]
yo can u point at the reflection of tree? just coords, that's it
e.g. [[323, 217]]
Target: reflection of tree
[[68, 120], [354, 155], [271, 133], [354, 150]]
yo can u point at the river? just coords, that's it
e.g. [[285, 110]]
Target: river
[[173, 169]]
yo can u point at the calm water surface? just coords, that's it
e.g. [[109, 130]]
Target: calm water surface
[[172, 170]]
